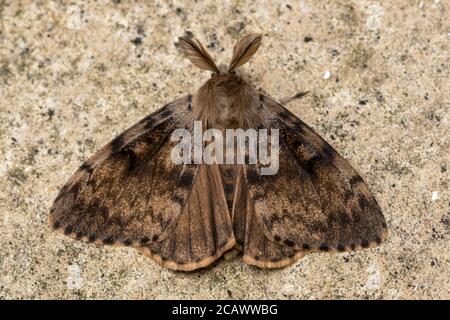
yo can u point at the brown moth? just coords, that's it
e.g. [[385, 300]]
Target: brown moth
[[186, 216]]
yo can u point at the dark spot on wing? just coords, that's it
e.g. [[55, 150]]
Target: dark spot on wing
[[253, 177], [306, 246], [108, 240], [328, 152], [365, 244], [165, 113], [340, 247], [229, 188], [68, 230], [117, 144], [289, 243], [87, 168], [298, 127], [132, 158], [144, 240], [324, 247], [56, 224], [127, 242], [148, 122], [355, 180], [277, 238], [92, 237], [312, 163], [155, 238], [186, 179], [284, 114]]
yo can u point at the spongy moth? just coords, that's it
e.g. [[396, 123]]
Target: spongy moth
[[185, 216]]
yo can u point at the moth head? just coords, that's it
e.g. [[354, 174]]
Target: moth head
[[228, 78]]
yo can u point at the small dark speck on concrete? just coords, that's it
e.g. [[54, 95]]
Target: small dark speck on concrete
[[137, 41], [289, 6], [50, 113], [308, 39], [334, 52], [380, 97], [180, 12], [140, 30], [236, 28], [363, 102], [214, 43]]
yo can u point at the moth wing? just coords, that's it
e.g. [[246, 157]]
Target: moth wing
[[316, 201], [204, 230], [129, 192]]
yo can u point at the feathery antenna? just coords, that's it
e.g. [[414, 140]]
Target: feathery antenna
[[198, 55], [244, 50]]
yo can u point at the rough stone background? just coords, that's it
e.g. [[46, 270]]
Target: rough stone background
[[74, 75]]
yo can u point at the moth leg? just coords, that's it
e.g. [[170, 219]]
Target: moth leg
[[298, 95], [203, 232]]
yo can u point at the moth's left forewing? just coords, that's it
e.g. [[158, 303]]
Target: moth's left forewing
[[129, 192], [316, 201]]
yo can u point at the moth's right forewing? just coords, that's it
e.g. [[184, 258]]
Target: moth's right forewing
[[316, 201], [129, 192]]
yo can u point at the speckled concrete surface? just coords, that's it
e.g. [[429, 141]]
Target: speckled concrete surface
[[72, 76]]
